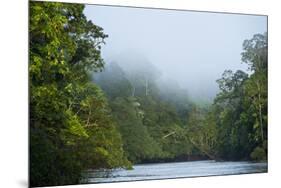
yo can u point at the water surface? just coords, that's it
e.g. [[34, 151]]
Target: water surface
[[173, 170]]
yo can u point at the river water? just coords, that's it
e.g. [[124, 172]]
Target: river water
[[173, 170]]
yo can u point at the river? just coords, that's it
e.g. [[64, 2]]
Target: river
[[173, 170]]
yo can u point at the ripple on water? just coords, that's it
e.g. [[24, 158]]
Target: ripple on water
[[173, 170]]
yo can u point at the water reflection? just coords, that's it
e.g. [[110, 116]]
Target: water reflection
[[173, 170]]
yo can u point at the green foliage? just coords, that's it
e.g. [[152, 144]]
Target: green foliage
[[259, 154], [230, 129], [145, 118], [242, 105], [161, 119], [71, 129], [114, 82], [77, 125], [138, 144], [235, 126], [202, 132]]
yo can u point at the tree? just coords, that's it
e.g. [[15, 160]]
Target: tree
[[138, 144], [145, 119], [255, 55], [139, 71], [67, 111], [113, 81], [201, 132], [232, 131], [241, 106]]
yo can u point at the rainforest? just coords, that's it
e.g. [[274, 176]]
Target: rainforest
[[89, 113]]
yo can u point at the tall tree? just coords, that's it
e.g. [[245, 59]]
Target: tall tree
[[67, 111], [255, 55], [241, 106]]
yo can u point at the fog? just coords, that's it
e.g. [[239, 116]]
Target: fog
[[190, 48]]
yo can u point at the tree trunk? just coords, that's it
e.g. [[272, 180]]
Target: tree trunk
[[133, 91], [171, 133], [260, 107], [261, 126], [146, 87], [202, 149]]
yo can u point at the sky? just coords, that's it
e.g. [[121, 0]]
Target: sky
[[189, 47]]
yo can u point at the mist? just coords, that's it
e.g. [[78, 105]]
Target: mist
[[187, 48]]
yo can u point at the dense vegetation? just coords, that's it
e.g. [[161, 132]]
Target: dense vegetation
[[82, 119], [71, 128]]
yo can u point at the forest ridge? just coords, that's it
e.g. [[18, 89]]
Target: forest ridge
[[81, 119]]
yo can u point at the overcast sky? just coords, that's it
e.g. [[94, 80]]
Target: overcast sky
[[193, 48]]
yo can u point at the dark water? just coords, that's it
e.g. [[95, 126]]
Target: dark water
[[174, 170]]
